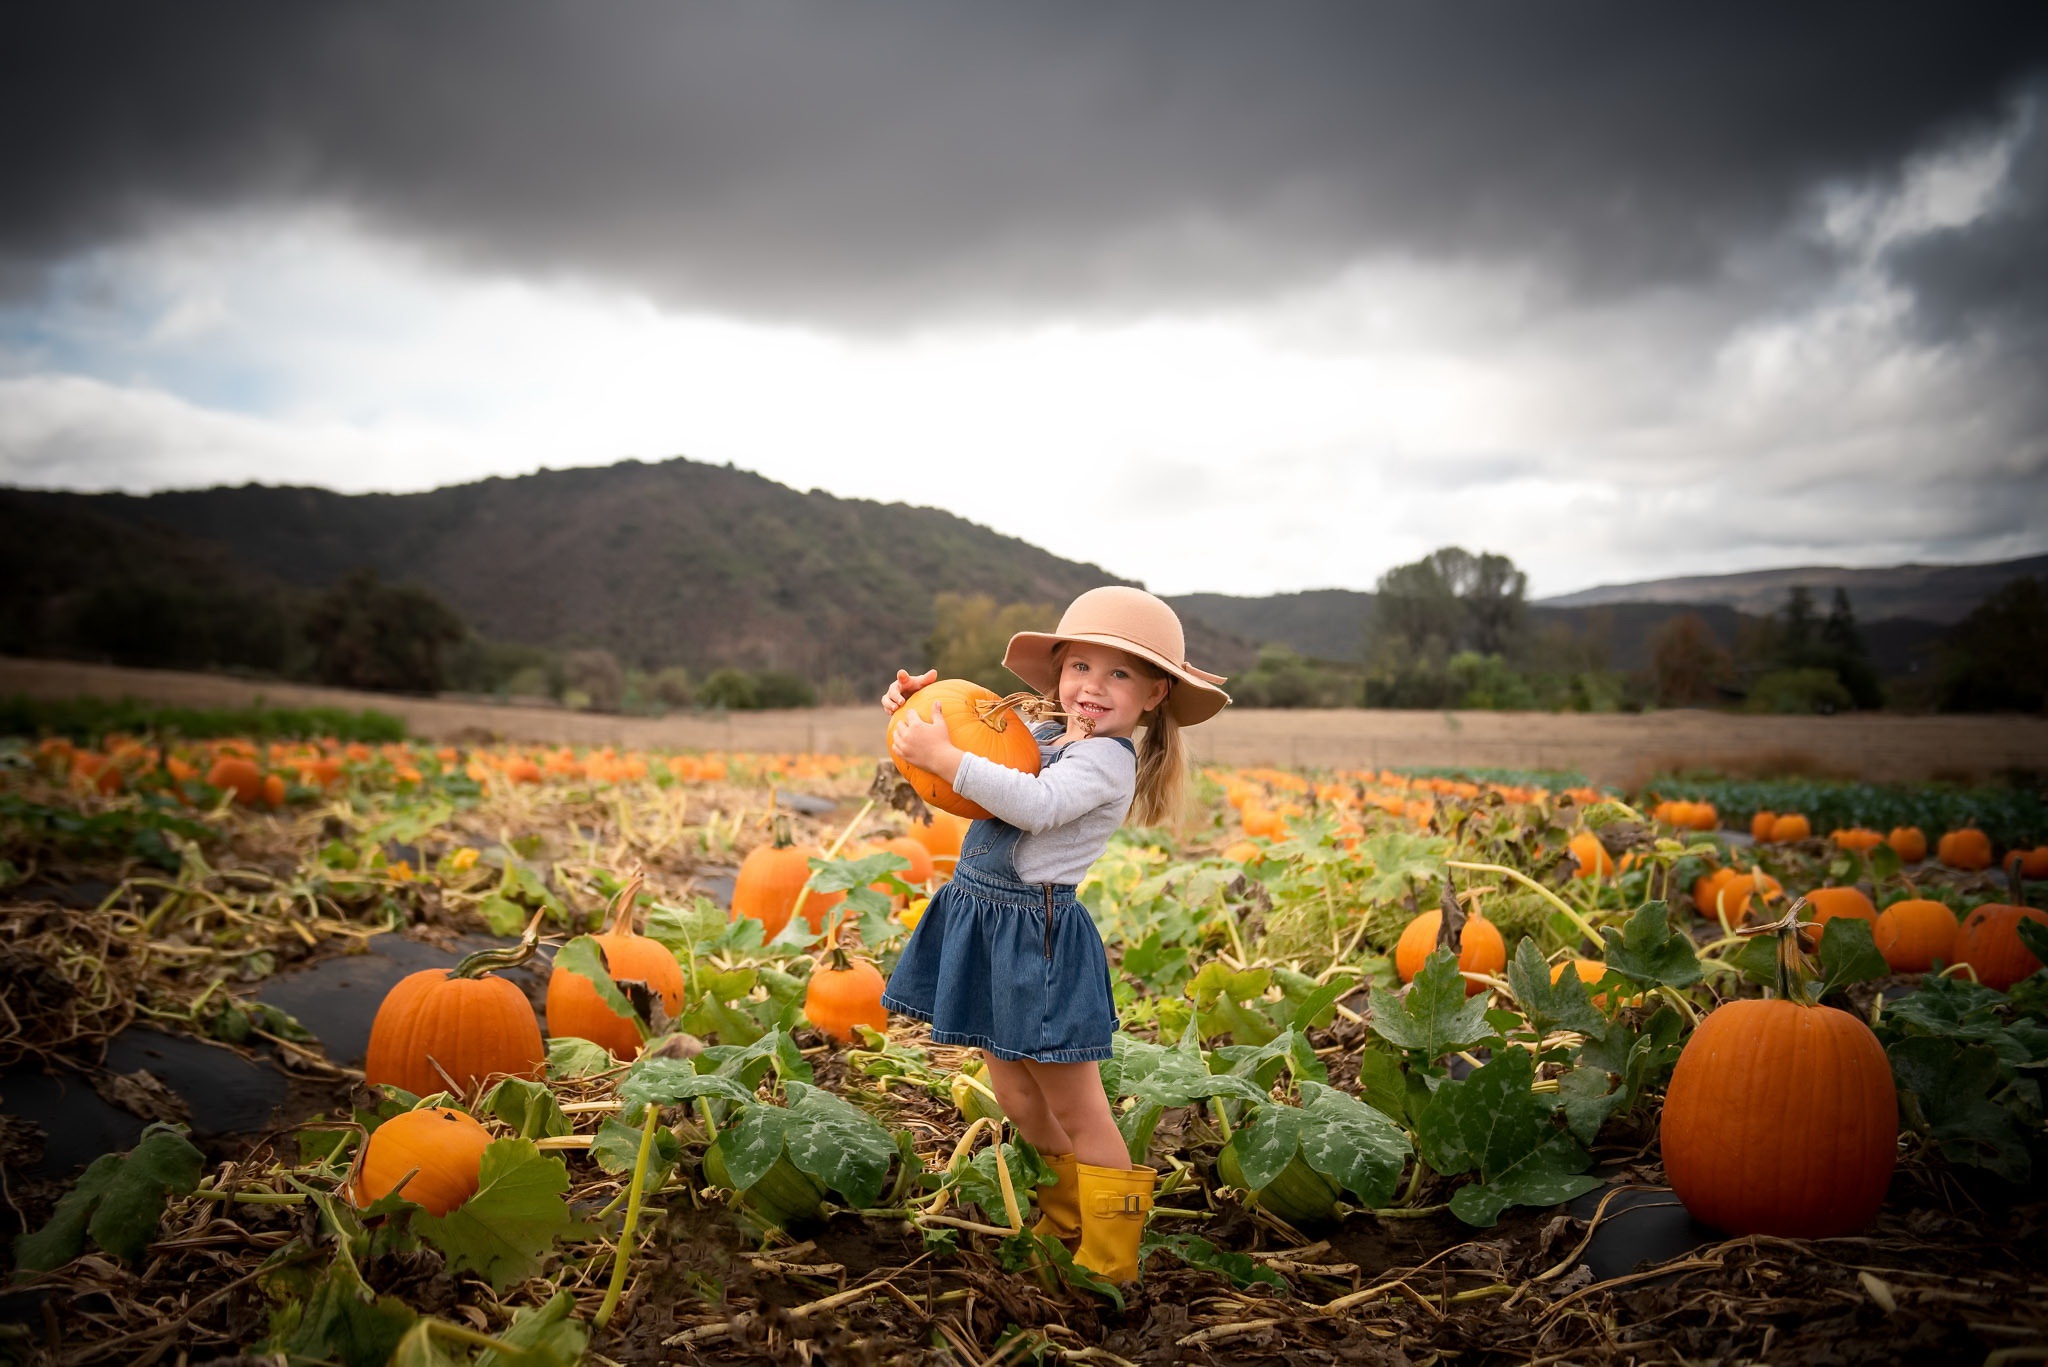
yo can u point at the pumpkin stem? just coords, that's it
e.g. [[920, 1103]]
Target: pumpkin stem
[[504, 956], [626, 904], [1793, 970], [838, 958], [779, 825]]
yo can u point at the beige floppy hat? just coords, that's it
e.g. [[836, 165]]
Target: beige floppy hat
[[1131, 620]]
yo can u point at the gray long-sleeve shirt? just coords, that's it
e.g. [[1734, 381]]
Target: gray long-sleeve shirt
[[1067, 810]]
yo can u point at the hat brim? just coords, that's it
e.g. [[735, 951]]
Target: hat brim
[[1193, 698]]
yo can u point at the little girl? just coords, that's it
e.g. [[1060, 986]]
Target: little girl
[[1005, 959]]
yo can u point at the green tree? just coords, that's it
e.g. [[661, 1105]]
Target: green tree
[[1841, 644], [780, 688], [1688, 662], [970, 633], [388, 637], [1449, 601], [732, 689], [1997, 658], [597, 677]]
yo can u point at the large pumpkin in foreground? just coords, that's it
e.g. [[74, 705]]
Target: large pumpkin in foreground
[[979, 722], [1781, 1119], [456, 1021]]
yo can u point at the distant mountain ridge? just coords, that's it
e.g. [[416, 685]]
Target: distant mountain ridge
[[1929, 593], [680, 562], [677, 562]]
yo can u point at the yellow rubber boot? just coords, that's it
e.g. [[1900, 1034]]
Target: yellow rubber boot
[[1114, 1204], [1059, 1205]]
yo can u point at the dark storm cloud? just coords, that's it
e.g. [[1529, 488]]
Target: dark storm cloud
[[887, 160]]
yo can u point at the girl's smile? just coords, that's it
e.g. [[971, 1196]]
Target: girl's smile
[[1105, 691]]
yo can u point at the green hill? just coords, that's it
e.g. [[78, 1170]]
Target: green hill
[[670, 563]]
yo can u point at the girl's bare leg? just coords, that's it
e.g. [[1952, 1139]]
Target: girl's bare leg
[[1016, 1087], [1073, 1094]]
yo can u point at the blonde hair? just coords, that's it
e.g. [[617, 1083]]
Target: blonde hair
[[1162, 755]]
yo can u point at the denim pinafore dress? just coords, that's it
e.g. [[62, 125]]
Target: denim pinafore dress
[[1012, 968]]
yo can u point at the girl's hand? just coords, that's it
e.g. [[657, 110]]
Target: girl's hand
[[928, 744], [904, 686]]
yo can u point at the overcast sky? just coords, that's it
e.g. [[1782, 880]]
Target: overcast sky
[[1224, 297]]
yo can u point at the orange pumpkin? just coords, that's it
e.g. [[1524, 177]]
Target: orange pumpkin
[[1590, 971], [442, 1149], [1989, 942], [1706, 891], [1909, 843], [942, 836], [1782, 1119], [920, 871], [1243, 852], [771, 878], [241, 777], [1592, 856], [1480, 949], [1968, 849], [1829, 903], [2032, 863], [574, 1007], [1913, 933], [1790, 828], [1738, 890], [469, 1024], [1856, 839], [845, 992], [1760, 826], [979, 722]]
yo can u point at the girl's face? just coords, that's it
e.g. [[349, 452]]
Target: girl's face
[[1108, 687]]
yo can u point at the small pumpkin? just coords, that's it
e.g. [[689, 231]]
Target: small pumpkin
[[912, 851], [1857, 839], [442, 1149], [1760, 826], [240, 776], [459, 1021], [1790, 828], [1590, 971], [770, 880], [845, 992], [1830, 903], [1989, 940], [1732, 897], [1914, 932], [1593, 859], [576, 1010], [1908, 842], [1968, 849], [1781, 1117], [1480, 949], [978, 721], [942, 835], [2032, 863]]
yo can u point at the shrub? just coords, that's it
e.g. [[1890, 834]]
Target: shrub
[[1800, 691]]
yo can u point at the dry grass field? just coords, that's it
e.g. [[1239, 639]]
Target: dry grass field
[[1608, 749]]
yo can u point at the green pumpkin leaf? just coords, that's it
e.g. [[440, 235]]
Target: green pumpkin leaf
[[1548, 1175], [528, 1107], [1646, 950], [667, 1081], [1353, 1145], [1947, 1086], [617, 1148], [838, 1143], [584, 957], [1560, 1005], [1242, 1269], [1434, 1017], [976, 1181], [1267, 1142], [1588, 1097], [1848, 954], [547, 1336], [1756, 959], [1381, 1083], [1492, 1124], [508, 1226], [842, 875], [339, 1317], [118, 1201], [752, 1143], [571, 1057]]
